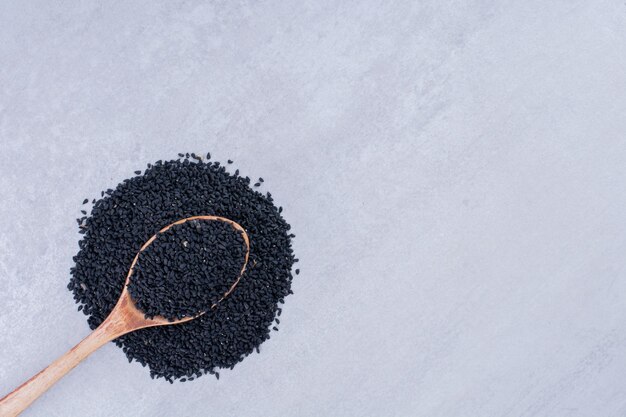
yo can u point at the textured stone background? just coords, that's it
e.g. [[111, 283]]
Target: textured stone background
[[454, 171]]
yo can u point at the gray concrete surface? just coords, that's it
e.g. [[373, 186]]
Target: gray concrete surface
[[454, 172]]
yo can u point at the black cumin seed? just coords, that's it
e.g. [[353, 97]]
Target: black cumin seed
[[124, 218], [187, 269], [230, 161], [137, 172], [298, 271], [258, 184], [85, 201]]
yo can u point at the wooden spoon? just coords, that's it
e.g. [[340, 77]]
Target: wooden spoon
[[124, 318]]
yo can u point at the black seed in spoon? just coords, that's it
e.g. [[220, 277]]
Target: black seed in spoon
[[187, 269]]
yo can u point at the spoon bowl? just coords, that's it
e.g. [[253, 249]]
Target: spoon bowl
[[124, 318], [131, 318]]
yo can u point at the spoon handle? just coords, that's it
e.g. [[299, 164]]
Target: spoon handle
[[17, 401]]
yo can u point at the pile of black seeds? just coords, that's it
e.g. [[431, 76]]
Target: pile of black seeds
[[125, 218], [187, 269]]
